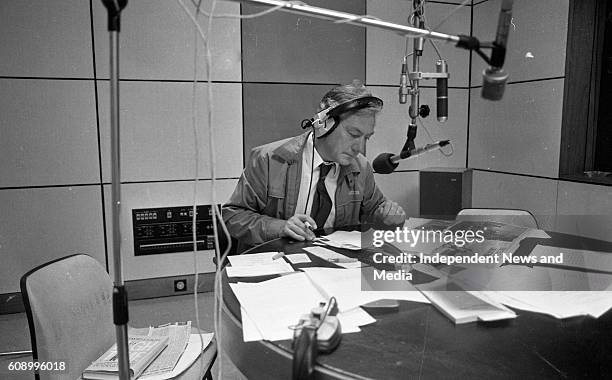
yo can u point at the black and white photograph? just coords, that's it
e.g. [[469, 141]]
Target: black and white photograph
[[317, 189]]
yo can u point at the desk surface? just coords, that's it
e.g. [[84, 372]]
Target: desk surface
[[417, 341]]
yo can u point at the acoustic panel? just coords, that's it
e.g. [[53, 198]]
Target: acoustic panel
[[46, 39], [585, 209], [521, 133], [43, 224], [158, 41], [403, 188], [499, 190], [537, 39], [48, 133], [157, 137], [285, 47], [274, 111]]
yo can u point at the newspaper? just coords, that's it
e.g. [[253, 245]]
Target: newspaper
[[178, 336]]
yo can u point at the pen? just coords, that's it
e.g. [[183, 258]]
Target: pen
[[309, 226], [278, 255]]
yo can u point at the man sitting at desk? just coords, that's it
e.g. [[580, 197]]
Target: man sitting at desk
[[319, 179]]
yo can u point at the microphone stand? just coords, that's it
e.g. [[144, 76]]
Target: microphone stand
[[416, 110], [120, 303]]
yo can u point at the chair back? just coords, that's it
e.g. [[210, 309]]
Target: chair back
[[516, 217], [68, 303]]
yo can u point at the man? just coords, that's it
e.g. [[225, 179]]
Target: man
[[319, 179]]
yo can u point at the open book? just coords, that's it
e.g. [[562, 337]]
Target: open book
[[143, 350]]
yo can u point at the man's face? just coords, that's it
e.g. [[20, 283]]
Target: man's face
[[347, 140]]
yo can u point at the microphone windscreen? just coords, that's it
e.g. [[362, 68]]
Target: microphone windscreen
[[493, 84], [382, 164]]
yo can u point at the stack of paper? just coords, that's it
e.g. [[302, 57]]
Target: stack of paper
[[257, 264], [271, 308]]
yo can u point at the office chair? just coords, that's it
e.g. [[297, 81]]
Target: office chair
[[68, 303], [516, 217]]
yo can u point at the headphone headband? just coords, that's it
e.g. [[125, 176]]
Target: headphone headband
[[335, 111]]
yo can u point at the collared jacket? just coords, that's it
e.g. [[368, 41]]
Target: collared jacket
[[267, 192]]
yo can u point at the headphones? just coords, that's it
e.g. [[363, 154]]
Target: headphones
[[320, 120]]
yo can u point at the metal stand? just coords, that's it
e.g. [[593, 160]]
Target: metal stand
[[120, 306]]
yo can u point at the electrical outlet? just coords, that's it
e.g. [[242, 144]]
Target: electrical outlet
[[180, 285]]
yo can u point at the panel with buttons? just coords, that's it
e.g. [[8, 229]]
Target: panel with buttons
[[169, 229]]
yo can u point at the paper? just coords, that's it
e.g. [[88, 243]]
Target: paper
[[574, 258], [270, 308], [178, 336], [558, 304], [463, 307], [191, 353], [298, 258], [342, 239], [345, 285], [277, 267], [252, 259]]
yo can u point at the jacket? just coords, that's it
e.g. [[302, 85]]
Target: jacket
[[267, 192]]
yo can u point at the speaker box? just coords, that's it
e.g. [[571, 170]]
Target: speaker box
[[444, 192]]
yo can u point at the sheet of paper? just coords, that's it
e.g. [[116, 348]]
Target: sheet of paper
[[342, 239], [298, 258], [249, 329], [191, 353], [252, 259], [355, 317], [345, 285], [590, 260], [558, 304], [463, 307], [277, 267]]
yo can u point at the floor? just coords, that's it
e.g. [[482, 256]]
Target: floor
[[142, 313]]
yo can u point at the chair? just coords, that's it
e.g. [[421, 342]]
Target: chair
[[68, 304], [516, 217]]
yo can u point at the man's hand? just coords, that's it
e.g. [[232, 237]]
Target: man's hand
[[390, 213], [296, 228]]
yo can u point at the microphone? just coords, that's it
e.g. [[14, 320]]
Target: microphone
[[403, 87], [442, 91], [494, 78], [386, 163]]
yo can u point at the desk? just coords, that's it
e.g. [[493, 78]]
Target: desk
[[419, 342]]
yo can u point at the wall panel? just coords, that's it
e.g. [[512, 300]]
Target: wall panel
[[403, 188], [157, 41], [39, 225], [46, 39], [585, 209], [537, 40], [498, 190], [275, 111], [157, 139], [521, 133], [47, 132], [284, 47]]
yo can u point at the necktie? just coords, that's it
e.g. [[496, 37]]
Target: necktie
[[321, 203]]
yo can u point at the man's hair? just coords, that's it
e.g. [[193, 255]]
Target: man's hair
[[345, 93]]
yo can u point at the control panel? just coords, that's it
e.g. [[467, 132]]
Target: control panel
[[169, 229]]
